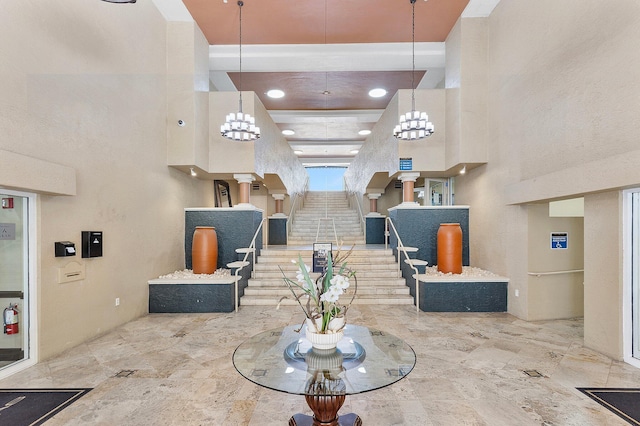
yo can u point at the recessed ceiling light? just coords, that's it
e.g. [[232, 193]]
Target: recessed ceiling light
[[364, 132], [377, 92], [288, 132], [297, 151], [354, 151], [275, 93]]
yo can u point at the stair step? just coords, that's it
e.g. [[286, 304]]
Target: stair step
[[359, 300], [284, 291], [327, 216], [361, 269], [362, 282]]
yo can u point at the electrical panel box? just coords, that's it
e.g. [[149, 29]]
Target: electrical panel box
[[65, 248], [91, 243]]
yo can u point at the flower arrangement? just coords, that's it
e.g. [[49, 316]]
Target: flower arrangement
[[322, 308]]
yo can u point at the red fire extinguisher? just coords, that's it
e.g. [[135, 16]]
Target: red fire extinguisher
[[10, 318]]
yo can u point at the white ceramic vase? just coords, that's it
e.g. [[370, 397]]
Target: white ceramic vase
[[324, 340]]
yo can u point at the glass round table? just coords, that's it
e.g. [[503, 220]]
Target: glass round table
[[364, 360]]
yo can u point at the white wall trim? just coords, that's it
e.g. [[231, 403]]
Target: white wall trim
[[627, 261]]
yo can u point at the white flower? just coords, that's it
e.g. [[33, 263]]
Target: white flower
[[340, 281], [331, 295], [300, 276]]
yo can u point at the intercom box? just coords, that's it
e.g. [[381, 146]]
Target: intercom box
[[65, 248], [91, 243]]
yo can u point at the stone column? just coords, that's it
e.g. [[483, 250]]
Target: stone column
[[408, 184], [373, 203], [279, 203], [245, 186]]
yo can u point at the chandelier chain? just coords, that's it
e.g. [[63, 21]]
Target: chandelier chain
[[413, 54], [240, 126], [414, 124], [240, 4]]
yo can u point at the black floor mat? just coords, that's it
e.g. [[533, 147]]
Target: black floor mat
[[32, 407], [625, 402]]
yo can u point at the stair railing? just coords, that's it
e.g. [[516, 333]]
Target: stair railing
[[252, 250], [355, 196], [296, 204], [401, 248], [335, 234]]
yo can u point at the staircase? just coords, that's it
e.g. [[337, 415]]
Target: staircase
[[376, 268], [376, 271], [321, 210]]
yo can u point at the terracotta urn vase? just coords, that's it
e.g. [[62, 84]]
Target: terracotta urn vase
[[204, 250], [450, 248]]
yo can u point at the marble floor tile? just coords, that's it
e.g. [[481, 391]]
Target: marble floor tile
[[470, 370]]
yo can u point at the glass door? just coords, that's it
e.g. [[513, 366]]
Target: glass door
[[14, 278]]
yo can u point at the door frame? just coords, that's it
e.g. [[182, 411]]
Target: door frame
[[29, 312], [629, 263], [446, 193]]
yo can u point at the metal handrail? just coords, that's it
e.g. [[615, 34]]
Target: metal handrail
[[570, 271], [244, 260], [406, 255], [295, 207], [358, 199], [335, 234]]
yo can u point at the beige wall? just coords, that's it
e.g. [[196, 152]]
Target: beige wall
[[603, 273], [429, 153], [391, 197], [187, 95], [561, 120], [378, 154], [85, 88], [226, 156], [466, 94], [554, 296]]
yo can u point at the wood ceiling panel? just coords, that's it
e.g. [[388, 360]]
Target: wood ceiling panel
[[321, 22], [305, 91]]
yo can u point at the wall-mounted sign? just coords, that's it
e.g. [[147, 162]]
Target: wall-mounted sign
[[7, 231], [559, 240], [406, 164]]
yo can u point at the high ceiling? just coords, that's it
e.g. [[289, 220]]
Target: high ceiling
[[326, 55]]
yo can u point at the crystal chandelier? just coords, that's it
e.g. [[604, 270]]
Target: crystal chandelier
[[414, 124], [240, 126]]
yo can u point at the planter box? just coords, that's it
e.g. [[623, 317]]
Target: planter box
[[192, 296], [459, 294]]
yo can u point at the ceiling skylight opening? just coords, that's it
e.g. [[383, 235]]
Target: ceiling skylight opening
[[377, 92], [288, 132], [275, 93], [364, 132]]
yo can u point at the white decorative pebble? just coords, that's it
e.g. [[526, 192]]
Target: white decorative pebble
[[187, 274], [467, 271]]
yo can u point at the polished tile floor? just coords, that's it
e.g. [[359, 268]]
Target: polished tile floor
[[470, 371]]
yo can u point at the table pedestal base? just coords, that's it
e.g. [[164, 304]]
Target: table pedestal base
[[325, 412], [350, 419]]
